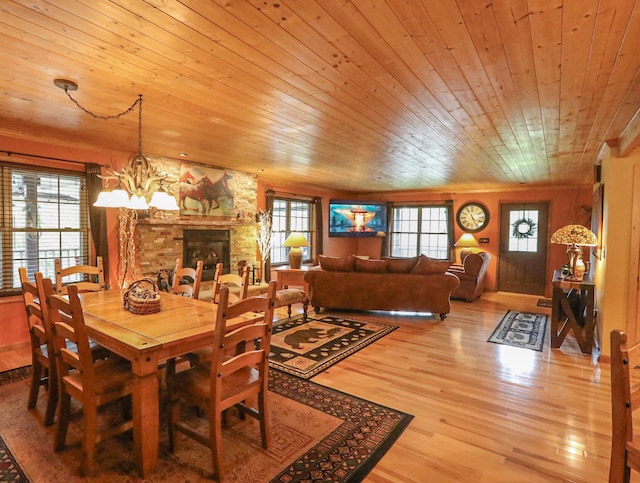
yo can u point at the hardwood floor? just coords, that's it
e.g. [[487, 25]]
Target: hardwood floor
[[483, 412]]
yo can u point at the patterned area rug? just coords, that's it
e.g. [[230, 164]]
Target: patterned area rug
[[521, 329], [318, 434], [306, 348]]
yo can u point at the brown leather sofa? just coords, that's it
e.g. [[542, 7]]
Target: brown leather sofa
[[414, 284], [471, 274]]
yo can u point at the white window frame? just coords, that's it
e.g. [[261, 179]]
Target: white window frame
[[422, 229], [290, 214]]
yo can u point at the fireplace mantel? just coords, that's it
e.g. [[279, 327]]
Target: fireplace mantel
[[199, 222]]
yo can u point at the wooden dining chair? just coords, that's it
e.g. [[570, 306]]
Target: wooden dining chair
[[625, 399], [186, 281], [92, 382], [88, 278], [238, 285], [228, 379], [43, 366]]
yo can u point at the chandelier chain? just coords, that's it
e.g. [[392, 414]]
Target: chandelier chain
[[114, 116]]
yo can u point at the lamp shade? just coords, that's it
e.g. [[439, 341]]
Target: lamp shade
[[296, 240], [118, 198], [163, 201], [575, 235], [467, 240], [138, 203]]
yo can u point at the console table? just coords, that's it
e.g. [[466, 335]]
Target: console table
[[572, 310]]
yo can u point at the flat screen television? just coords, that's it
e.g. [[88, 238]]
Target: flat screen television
[[357, 218]]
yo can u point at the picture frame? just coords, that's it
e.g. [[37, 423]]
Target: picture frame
[[205, 191]]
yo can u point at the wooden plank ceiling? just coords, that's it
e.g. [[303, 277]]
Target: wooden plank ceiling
[[362, 95]]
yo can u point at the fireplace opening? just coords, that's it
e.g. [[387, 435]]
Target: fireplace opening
[[210, 246]]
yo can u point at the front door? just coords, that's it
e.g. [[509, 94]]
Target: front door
[[523, 248]]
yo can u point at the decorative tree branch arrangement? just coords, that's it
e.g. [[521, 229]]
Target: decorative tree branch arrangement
[[264, 234]]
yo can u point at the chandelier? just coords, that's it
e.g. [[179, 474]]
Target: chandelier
[[139, 179]]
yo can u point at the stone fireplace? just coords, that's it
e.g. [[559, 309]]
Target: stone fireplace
[[210, 246], [162, 235], [161, 243]]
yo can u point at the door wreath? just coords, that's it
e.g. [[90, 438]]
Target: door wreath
[[523, 228]]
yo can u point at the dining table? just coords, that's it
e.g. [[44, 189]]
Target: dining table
[[181, 326]]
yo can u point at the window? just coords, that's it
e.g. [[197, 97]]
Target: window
[[44, 217], [524, 234], [424, 230], [290, 215]]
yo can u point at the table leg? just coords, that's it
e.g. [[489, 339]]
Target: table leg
[[146, 422], [556, 314], [589, 322]]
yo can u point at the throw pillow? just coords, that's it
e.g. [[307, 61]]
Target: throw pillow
[[336, 264], [401, 265], [429, 266], [370, 266]]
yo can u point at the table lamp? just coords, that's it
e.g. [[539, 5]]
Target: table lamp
[[574, 236], [466, 240], [295, 240]]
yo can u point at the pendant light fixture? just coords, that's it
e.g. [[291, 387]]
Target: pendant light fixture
[[139, 178]]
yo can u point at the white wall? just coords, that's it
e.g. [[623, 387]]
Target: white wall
[[612, 271]]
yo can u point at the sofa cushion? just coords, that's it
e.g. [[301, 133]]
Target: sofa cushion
[[336, 264], [429, 266], [401, 265], [370, 266]]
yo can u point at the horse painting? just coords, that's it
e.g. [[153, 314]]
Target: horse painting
[[205, 191]]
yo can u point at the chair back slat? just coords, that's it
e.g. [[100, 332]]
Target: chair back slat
[[230, 279], [87, 278], [252, 342], [186, 280], [69, 329], [44, 367]]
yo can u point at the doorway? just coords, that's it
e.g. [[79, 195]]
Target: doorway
[[523, 248]]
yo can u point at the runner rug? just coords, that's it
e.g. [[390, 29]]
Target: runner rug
[[305, 348], [521, 329], [317, 434]]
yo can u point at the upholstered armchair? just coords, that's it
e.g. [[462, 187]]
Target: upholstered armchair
[[471, 274]]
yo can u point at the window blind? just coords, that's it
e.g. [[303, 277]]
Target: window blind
[[44, 217]]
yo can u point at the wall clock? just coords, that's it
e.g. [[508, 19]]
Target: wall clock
[[472, 217]]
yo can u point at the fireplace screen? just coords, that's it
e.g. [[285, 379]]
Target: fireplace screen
[[210, 246]]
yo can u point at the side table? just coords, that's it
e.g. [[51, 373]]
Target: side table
[[286, 276], [572, 309]]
